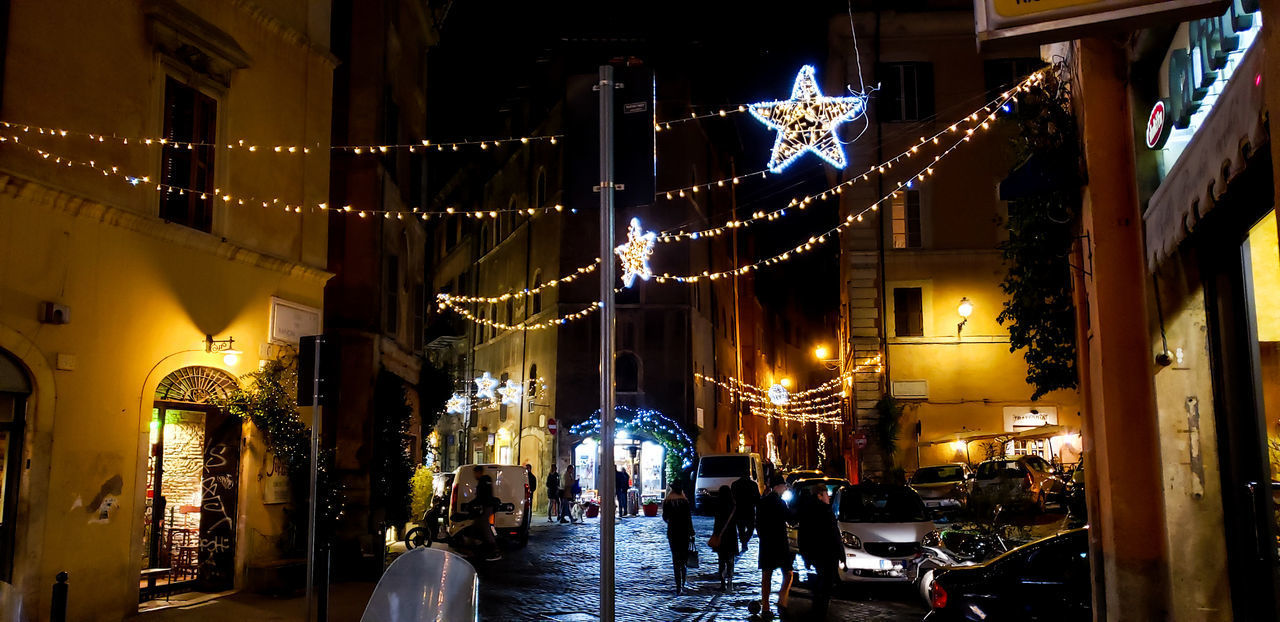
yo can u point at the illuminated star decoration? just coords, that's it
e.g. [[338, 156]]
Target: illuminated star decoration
[[635, 253], [485, 385], [456, 405], [510, 393], [807, 122], [778, 395]]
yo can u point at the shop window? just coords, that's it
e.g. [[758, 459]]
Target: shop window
[[186, 163], [906, 92], [905, 208], [14, 388], [908, 312], [391, 294], [627, 373]]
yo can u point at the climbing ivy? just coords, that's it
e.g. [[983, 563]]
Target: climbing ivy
[[1039, 312]]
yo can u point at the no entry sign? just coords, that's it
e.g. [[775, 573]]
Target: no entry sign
[[551, 426]]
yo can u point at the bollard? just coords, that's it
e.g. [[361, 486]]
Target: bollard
[[58, 608]]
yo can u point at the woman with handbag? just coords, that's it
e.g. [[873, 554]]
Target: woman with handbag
[[679, 518], [726, 548]]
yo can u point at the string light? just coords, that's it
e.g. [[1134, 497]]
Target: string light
[[723, 112], [296, 149], [233, 199], [543, 325], [800, 203], [719, 183], [634, 254], [824, 237], [569, 278], [807, 122]]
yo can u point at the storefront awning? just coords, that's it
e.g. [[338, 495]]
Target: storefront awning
[[1044, 431], [968, 437], [1234, 130]]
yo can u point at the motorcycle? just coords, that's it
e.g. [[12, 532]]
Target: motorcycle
[[947, 548], [428, 529]]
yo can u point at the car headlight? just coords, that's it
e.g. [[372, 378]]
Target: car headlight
[[703, 491], [850, 540], [788, 496]]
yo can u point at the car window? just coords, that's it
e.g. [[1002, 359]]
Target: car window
[[1038, 463], [996, 468], [724, 466], [880, 505], [935, 475]]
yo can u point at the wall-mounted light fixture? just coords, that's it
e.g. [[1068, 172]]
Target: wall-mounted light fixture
[[965, 309], [225, 347]]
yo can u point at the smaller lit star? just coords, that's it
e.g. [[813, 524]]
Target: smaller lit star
[[456, 405], [510, 393], [485, 385], [778, 395], [635, 253]]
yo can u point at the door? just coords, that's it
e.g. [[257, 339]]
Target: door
[[1243, 282]]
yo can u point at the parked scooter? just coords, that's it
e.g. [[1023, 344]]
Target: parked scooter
[[947, 548], [428, 529]]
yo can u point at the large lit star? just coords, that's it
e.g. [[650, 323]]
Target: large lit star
[[485, 385], [635, 253], [510, 393], [457, 405], [807, 122]]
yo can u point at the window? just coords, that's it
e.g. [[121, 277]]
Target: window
[[511, 310], [391, 294], [390, 133], [493, 315], [906, 91], [533, 381], [1002, 73], [1029, 448], [908, 312], [627, 373], [482, 331], [502, 406], [537, 294], [905, 207], [14, 388], [419, 316], [540, 190], [189, 118]]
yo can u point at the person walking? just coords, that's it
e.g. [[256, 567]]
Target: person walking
[[482, 508], [746, 494], [724, 539], [553, 492], [679, 518], [566, 494], [622, 482], [821, 547], [771, 525]]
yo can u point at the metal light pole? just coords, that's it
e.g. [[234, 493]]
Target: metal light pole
[[315, 496], [605, 86]]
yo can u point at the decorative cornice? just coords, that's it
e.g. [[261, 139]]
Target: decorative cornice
[[286, 32], [37, 193]]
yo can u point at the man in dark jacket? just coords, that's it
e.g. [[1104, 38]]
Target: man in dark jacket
[[622, 482], [820, 544], [771, 524], [746, 494], [553, 492], [482, 509]]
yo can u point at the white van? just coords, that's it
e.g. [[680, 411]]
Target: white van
[[716, 470], [510, 486]]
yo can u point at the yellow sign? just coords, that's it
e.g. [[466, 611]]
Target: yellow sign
[[1015, 8]]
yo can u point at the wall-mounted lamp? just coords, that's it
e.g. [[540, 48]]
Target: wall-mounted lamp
[[965, 309], [225, 347]]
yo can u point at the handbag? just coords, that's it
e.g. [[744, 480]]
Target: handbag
[[714, 540], [691, 558]]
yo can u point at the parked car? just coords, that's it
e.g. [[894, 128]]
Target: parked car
[[797, 494], [510, 486], [1027, 482], [882, 528], [716, 470], [1045, 580], [795, 476], [943, 487]]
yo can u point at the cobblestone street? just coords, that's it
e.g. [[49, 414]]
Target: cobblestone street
[[557, 577]]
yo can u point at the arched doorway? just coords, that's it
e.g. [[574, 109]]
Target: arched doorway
[[193, 477], [15, 386]]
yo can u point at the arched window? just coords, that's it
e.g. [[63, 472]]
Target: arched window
[[627, 373], [537, 295], [15, 386], [493, 315], [511, 310]]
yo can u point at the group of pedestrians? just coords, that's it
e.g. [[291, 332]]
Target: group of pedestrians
[[741, 510], [562, 495]]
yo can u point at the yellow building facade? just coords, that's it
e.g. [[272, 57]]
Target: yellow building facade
[[114, 276]]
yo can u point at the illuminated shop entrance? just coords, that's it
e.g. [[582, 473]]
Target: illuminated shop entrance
[[193, 476], [641, 459]]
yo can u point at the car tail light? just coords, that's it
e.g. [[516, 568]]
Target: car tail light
[[1030, 482], [937, 596], [455, 502]]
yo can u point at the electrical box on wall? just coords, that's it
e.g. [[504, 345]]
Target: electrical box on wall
[[911, 389], [54, 313]]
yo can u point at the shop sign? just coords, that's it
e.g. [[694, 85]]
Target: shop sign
[[1019, 418], [1020, 22], [1157, 127], [1202, 59], [275, 480]]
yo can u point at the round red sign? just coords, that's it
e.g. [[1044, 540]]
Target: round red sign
[[859, 440], [551, 426], [1157, 126]]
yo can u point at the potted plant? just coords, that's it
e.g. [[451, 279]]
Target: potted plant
[[650, 507]]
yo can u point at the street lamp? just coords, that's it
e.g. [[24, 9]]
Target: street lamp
[[820, 353], [965, 309]]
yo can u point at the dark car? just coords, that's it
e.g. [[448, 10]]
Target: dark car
[[1045, 580], [1027, 482], [804, 487], [795, 476]]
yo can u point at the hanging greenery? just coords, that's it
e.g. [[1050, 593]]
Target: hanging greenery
[[267, 399], [1039, 312], [393, 465], [651, 423]]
